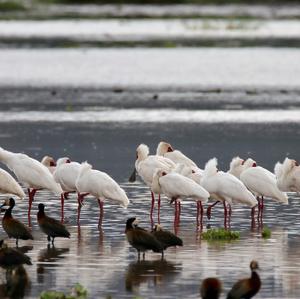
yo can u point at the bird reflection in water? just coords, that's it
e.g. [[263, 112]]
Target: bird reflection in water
[[17, 283], [48, 257], [157, 271]]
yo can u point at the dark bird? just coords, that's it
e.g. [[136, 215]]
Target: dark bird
[[211, 288], [13, 227], [166, 238], [50, 226], [10, 257], [141, 239], [248, 287]]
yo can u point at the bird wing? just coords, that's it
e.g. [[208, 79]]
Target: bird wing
[[141, 238], [9, 185], [239, 290], [51, 226], [178, 157], [167, 238], [175, 184], [66, 175]]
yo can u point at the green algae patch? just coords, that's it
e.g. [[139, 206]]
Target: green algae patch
[[220, 234]]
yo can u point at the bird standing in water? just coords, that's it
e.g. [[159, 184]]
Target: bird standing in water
[[13, 227], [166, 238], [141, 239], [50, 226], [10, 257], [248, 287], [211, 288]]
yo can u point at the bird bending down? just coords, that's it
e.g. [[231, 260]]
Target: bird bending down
[[30, 173], [248, 287], [225, 188], [262, 183], [66, 174], [10, 257], [288, 175], [176, 186], [50, 226], [236, 166], [211, 288], [49, 162], [166, 150], [101, 186], [141, 239], [145, 166], [8, 185], [13, 227], [166, 238]]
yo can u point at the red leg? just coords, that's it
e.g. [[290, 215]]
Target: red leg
[[199, 215], [152, 207], [79, 207], [208, 212], [158, 209], [101, 213], [179, 211], [175, 213], [225, 214], [31, 194], [62, 204]]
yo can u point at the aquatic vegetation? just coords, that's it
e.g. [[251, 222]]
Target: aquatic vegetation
[[78, 292], [266, 233], [6, 6], [220, 234]]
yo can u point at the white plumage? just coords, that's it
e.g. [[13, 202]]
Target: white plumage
[[66, 174], [165, 149], [288, 175], [8, 185], [100, 185], [175, 185], [236, 166], [146, 164], [262, 182], [49, 162], [224, 186], [30, 172]]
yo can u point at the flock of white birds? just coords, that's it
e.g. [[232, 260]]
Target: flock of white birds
[[168, 173]]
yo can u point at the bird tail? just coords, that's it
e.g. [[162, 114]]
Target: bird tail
[[211, 167], [278, 170], [287, 165]]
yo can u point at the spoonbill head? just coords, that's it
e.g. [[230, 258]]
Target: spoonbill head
[[49, 162], [236, 166], [166, 150]]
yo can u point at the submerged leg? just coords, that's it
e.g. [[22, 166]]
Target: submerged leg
[[208, 212], [158, 209], [31, 194], [62, 205], [152, 207], [17, 242], [48, 238], [101, 212], [225, 214]]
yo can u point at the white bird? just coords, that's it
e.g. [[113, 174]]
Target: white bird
[[49, 162], [288, 175], [176, 186], [165, 149], [145, 166], [31, 173], [236, 166], [225, 187], [191, 172], [8, 185], [100, 185], [262, 183], [66, 174]]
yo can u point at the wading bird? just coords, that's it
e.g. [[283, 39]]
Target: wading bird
[[100, 185], [8, 185], [140, 239], [166, 238], [211, 288], [49, 162], [176, 186], [30, 173], [50, 226], [145, 166], [166, 150], [225, 188], [13, 227], [262, 183], [288, 175], [10, 257], [248, 287]]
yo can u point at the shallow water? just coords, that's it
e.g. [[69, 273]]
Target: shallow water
[[104, 262]]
